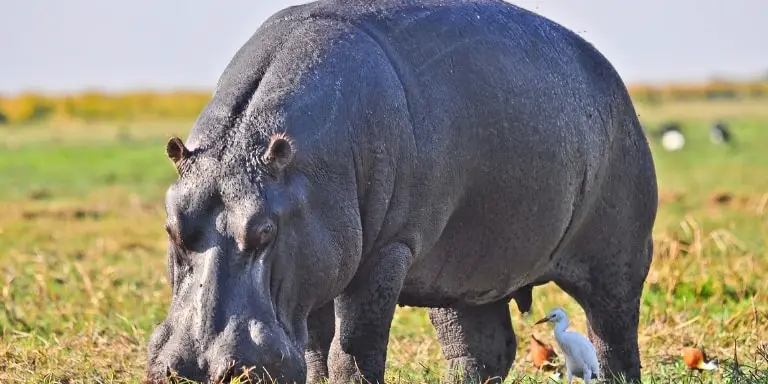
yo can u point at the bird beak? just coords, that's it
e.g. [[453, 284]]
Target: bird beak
[[544, 320]]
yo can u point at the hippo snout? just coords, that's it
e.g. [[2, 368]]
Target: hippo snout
[[252, 350]]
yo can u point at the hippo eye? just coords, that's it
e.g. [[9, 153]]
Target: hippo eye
[[260, 236], [265, 233]]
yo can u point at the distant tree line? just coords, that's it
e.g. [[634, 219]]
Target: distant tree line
[[102, 106], [715, 90], [131, 106]]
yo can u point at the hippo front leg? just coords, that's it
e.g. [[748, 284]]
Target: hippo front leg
[[365, 310], [320, 326]]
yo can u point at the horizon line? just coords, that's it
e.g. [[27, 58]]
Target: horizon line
[[117, 90]]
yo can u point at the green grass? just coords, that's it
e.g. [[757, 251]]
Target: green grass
[[82, 263]]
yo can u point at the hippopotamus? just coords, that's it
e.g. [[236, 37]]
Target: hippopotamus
[[443, 154]]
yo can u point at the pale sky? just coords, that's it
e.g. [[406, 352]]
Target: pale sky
[[70, 45]]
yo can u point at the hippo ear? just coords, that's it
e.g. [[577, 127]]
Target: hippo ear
[[176, 151], [279, 153]]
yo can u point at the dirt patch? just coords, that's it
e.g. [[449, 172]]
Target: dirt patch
[[666, 197], [720, 198]]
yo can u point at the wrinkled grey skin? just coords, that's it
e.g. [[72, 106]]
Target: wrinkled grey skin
[[434, 153]]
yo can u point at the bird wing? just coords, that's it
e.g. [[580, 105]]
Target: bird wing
[[582, 351]]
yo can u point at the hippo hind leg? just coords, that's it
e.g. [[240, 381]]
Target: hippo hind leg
[[608, 258], [478, 341], [610, 293]]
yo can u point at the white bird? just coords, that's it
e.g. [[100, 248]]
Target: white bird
[[580, 355], [673, 140]]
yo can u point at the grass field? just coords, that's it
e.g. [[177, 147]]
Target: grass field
[[82, 264]]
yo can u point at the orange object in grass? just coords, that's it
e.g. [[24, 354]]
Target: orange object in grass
[[541, 353], [695, 358]]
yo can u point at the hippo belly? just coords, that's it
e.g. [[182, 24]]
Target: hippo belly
[[502, 235]]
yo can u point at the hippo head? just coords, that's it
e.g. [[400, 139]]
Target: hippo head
[[248, 260]]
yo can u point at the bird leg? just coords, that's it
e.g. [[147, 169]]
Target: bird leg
[[478, 341]]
